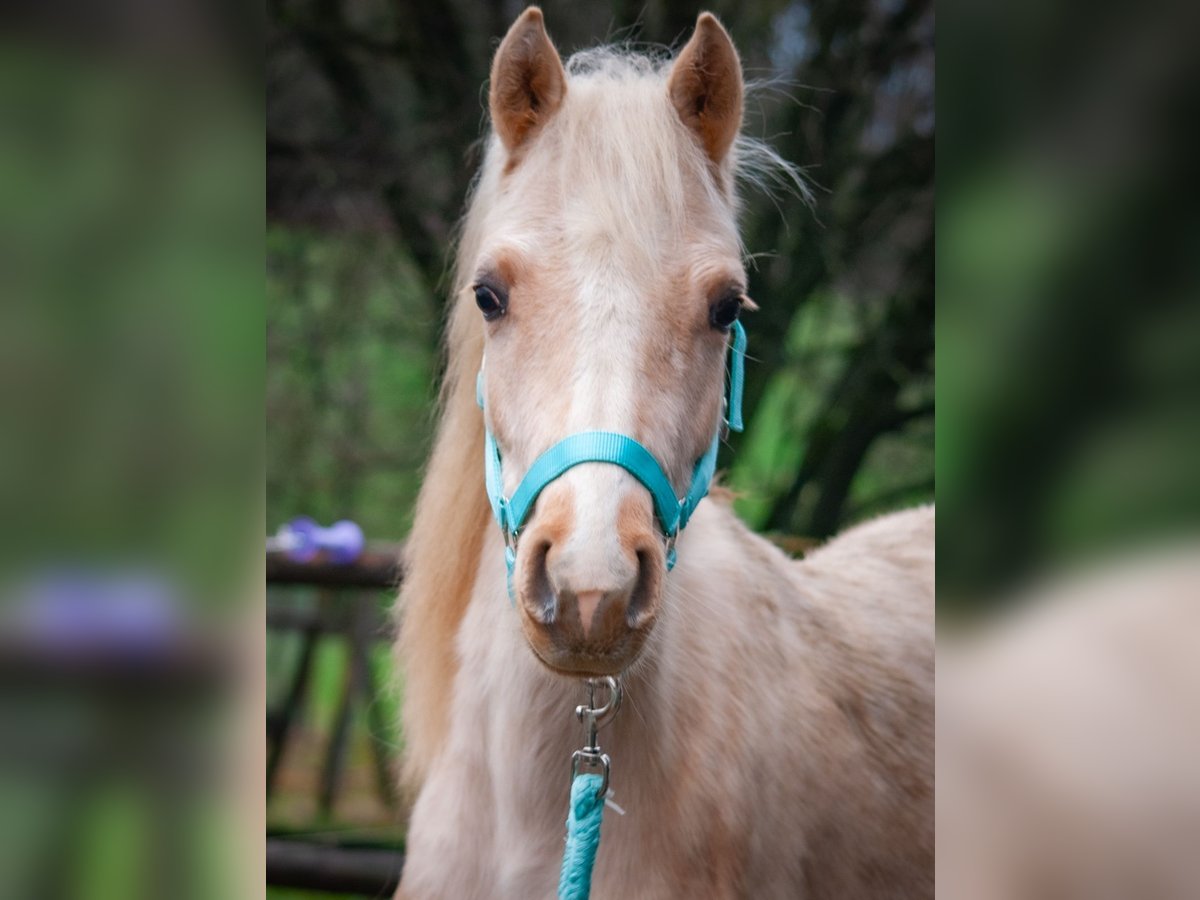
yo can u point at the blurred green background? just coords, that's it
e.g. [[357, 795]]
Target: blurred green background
[[1068, 328]]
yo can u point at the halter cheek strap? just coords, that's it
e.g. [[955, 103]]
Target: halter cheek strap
[[620, 450]]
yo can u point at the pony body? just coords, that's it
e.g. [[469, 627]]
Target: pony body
[[776, 737]]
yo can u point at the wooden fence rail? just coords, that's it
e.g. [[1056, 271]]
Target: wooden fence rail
[[347, 605], [374, 872]]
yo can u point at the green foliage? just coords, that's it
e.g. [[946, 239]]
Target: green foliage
[[352, 355], [815, 353], [818, 352]]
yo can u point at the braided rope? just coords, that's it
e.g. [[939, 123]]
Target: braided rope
[[583, 837]]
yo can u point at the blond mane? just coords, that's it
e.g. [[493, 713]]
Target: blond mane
[[606, 120]]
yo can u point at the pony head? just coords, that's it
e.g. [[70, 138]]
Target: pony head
[[602, 254]]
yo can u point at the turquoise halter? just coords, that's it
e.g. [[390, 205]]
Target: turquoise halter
[[620, 450]]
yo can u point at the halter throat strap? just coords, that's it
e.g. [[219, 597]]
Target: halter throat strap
[[620, 450]]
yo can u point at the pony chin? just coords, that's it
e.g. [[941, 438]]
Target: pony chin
[[572, 663]]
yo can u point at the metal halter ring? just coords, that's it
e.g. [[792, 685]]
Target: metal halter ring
[[510, 557], [670, 549]]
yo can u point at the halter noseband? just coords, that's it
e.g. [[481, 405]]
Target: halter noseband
[[620, 450]]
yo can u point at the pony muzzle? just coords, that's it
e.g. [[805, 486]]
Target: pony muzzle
[[588, 601]]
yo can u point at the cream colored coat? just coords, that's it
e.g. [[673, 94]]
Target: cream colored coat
[[776, 739]]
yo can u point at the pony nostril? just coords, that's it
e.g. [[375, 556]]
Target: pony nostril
[[539, 599], [643, 601]]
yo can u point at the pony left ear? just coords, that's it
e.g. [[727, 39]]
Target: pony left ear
[[706, 87], [528, 81]]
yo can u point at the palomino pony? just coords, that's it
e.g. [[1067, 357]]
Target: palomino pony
[[776, 736]]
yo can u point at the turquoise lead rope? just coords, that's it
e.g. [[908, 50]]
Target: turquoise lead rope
[[583, 837], [589, 792]]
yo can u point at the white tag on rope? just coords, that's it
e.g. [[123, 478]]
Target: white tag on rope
[[608, 801]]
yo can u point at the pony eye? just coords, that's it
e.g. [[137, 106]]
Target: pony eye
[[491, 302], [725, 311]]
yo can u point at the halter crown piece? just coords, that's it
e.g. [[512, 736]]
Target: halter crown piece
[[673, 512]]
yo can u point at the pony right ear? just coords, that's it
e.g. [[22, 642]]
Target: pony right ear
[[528, 82], [705, 86]]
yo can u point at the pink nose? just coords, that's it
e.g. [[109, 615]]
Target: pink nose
[[586, 604]]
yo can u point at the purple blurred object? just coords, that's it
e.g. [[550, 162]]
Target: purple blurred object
[[302, 539], [72, 608]]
